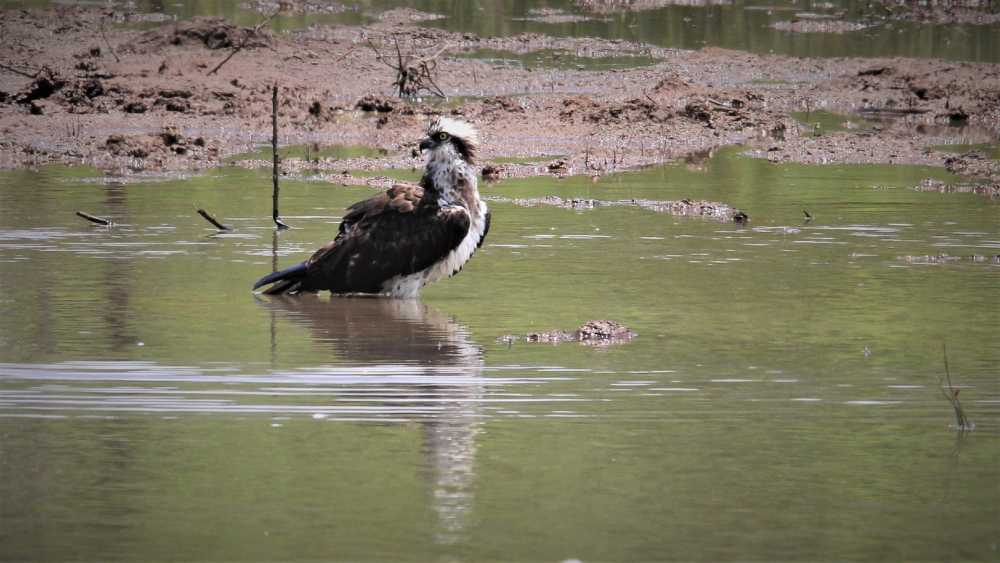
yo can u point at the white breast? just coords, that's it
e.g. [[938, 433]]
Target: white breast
[[408, 287]]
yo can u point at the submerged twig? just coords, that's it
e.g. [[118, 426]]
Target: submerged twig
[[93, 219], [951, 394], [212, 220]]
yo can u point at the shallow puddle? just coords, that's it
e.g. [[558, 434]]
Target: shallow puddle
[[553, 58], [783, 389], [822, 122]]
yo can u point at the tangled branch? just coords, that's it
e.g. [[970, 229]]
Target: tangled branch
[[414, 74], [251, 33]]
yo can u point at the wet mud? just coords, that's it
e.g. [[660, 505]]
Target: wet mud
[[186, 96]]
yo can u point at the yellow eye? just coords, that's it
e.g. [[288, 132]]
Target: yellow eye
[[442, 136]]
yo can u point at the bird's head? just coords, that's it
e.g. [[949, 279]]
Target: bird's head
[[449, 133]]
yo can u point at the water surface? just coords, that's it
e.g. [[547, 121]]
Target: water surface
[[738, 24], [780, 402]]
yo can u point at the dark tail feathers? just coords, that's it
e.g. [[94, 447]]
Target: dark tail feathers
[[285, 281]]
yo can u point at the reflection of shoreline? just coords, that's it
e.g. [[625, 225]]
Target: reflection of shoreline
[[406, 331]]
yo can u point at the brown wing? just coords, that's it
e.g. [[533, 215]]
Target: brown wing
[[399, 232]]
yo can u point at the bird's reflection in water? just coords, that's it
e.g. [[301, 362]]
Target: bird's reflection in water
[[394, 332]]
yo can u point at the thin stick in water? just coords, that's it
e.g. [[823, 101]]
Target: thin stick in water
[[951, 395], [274, 152], [212, 220], [93, 219]]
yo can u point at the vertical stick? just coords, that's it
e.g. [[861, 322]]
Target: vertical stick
[[274, 151]]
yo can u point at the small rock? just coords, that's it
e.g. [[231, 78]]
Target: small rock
[[179, 105], [491, 173], [171, 136], [47, 83], [175, 93]]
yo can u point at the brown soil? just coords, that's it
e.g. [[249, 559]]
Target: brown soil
[[147, 101]]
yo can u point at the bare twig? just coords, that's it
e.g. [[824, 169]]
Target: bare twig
[[93, 219], [346, 54], [413, 74], [951, 394], [274, 153], [246, 39], [18, 72], [108, 43], [212, 220], [232, 54]]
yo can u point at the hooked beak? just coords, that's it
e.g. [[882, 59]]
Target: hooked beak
[[426, 144]]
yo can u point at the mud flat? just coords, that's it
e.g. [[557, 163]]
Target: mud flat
[[185, 96]]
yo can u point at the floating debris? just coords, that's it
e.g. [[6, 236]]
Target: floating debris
[[991, 189], [591, 333], [685, 207], [819, 25], [947, 259]]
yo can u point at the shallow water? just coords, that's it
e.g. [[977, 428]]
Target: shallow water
[[780, 402], [739, 24]]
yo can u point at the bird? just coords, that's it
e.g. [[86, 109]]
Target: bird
[[407, 237]]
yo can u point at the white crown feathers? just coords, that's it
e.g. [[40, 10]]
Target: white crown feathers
[[458, 129]]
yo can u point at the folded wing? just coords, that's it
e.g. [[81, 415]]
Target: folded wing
[[397, 233]]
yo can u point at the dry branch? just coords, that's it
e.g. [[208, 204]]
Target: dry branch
[[9, 68], [414, 74], [243, 42]]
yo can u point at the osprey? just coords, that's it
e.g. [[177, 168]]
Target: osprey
[[407, 237]]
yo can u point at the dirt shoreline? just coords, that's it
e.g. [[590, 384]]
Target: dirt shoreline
[[134, 103]]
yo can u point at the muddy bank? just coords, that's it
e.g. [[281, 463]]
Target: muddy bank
[[186, 96]]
